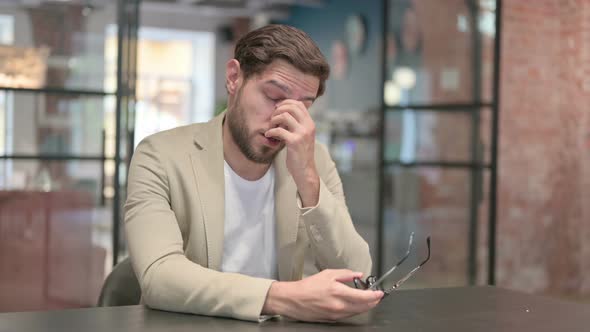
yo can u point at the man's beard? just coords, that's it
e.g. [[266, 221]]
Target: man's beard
[[239, 130]]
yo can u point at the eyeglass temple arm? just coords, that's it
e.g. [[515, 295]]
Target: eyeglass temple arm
[[407, 276], [396, 265]]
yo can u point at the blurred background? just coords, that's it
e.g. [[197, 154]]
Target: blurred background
[[463, 120]]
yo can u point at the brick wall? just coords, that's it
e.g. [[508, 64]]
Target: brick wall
[[544, 182]]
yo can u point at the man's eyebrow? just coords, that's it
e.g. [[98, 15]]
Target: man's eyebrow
[[288, 91], [280, 86]]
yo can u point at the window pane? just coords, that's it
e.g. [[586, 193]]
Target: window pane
[[433, 136], [430, 202], [55, 235], [354, 146], [56, 44], [357, 167], [48, 124], [439, 52]]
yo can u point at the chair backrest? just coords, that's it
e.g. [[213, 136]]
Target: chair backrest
[[120, 287]]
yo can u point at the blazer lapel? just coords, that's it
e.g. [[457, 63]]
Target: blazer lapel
[[207, 161], [287, 216]]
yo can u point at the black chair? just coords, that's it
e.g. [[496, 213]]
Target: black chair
[[121, 287]]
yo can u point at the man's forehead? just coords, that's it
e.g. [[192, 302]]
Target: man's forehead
[[305, 96], [290, 80]]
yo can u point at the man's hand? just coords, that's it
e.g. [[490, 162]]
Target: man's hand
[[320, 298], [292, 124]]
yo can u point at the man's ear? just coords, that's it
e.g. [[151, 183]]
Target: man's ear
[[233, 76]]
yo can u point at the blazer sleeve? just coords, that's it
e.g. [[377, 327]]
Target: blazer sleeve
[[168, 279], [334, 241]]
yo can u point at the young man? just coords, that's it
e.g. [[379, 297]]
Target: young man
[[220, 215]]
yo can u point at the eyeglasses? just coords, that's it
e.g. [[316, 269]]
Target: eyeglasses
[[373, 283]]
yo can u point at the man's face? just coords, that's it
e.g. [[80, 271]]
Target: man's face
[[254, 102]]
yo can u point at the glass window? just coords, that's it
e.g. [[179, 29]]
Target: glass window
[[51, 124], [55, 235], [438, 53], [55, 45], [437, 136], [432, 202], [57, 142]]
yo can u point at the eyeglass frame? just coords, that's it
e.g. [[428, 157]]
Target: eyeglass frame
[[372, 283]]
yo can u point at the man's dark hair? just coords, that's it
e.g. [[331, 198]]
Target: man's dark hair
[[260, 47]]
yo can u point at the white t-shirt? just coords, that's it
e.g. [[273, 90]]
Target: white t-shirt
[[249, 230]]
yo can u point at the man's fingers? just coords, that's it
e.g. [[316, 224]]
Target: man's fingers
[[344, 275], [357, 308], [296, 108], [280, 134], [347, 308], [354, 295], [286, 121]]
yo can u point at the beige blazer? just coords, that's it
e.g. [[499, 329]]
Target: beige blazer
[[174, 217]]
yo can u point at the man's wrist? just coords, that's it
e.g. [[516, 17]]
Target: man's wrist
[[308, 187], [275, 303]]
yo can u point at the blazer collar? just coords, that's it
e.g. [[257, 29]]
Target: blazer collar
[[209, 135], [207, 161]]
